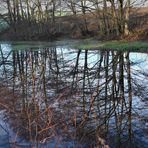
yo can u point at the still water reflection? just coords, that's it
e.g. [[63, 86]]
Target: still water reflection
[[61, 97]]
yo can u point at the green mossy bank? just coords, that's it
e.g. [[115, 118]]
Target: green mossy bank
[[85, 44], [112, 45]]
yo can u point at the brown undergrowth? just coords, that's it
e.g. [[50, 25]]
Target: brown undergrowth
[[30, 122], [41, 125], [73, 27]]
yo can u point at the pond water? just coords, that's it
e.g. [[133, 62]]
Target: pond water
[[56, 96]]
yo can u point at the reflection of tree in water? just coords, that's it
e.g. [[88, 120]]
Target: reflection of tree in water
[[83, 99]]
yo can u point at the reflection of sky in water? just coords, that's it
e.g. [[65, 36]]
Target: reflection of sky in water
[[69, 58], [142, 59], [6, 48], [93, 56], [6, 53], [70, 55]]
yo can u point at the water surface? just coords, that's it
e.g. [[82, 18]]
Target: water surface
[[57, 96]]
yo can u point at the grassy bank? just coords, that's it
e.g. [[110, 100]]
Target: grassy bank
[[111, 45], [85, 44]]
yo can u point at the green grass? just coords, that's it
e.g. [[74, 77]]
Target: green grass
[[112, 45], [29, 45], [35, 45], [124, 45], [23, 45], [87, 44], [82, 44]]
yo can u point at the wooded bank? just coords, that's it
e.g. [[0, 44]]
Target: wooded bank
[[48, 19]]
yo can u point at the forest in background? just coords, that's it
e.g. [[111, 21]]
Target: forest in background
[[49, 19]]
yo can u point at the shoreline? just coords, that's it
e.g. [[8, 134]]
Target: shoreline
[[83, 44]]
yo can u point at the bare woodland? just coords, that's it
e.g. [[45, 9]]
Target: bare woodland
[[46, 19]]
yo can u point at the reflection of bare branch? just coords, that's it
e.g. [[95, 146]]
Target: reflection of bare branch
[[73, 95]]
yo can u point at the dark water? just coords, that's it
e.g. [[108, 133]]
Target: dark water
[[62, 97]]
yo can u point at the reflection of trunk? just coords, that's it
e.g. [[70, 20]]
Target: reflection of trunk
[[21, 73], [121, 97], [84, 80], [33, 77], [3, 62], [129, 97], [14, 69], [114, 93], [101, 54], [26, 75], [106, 62], [44, 79], [75, 71], [121, 77], [57, 68]]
